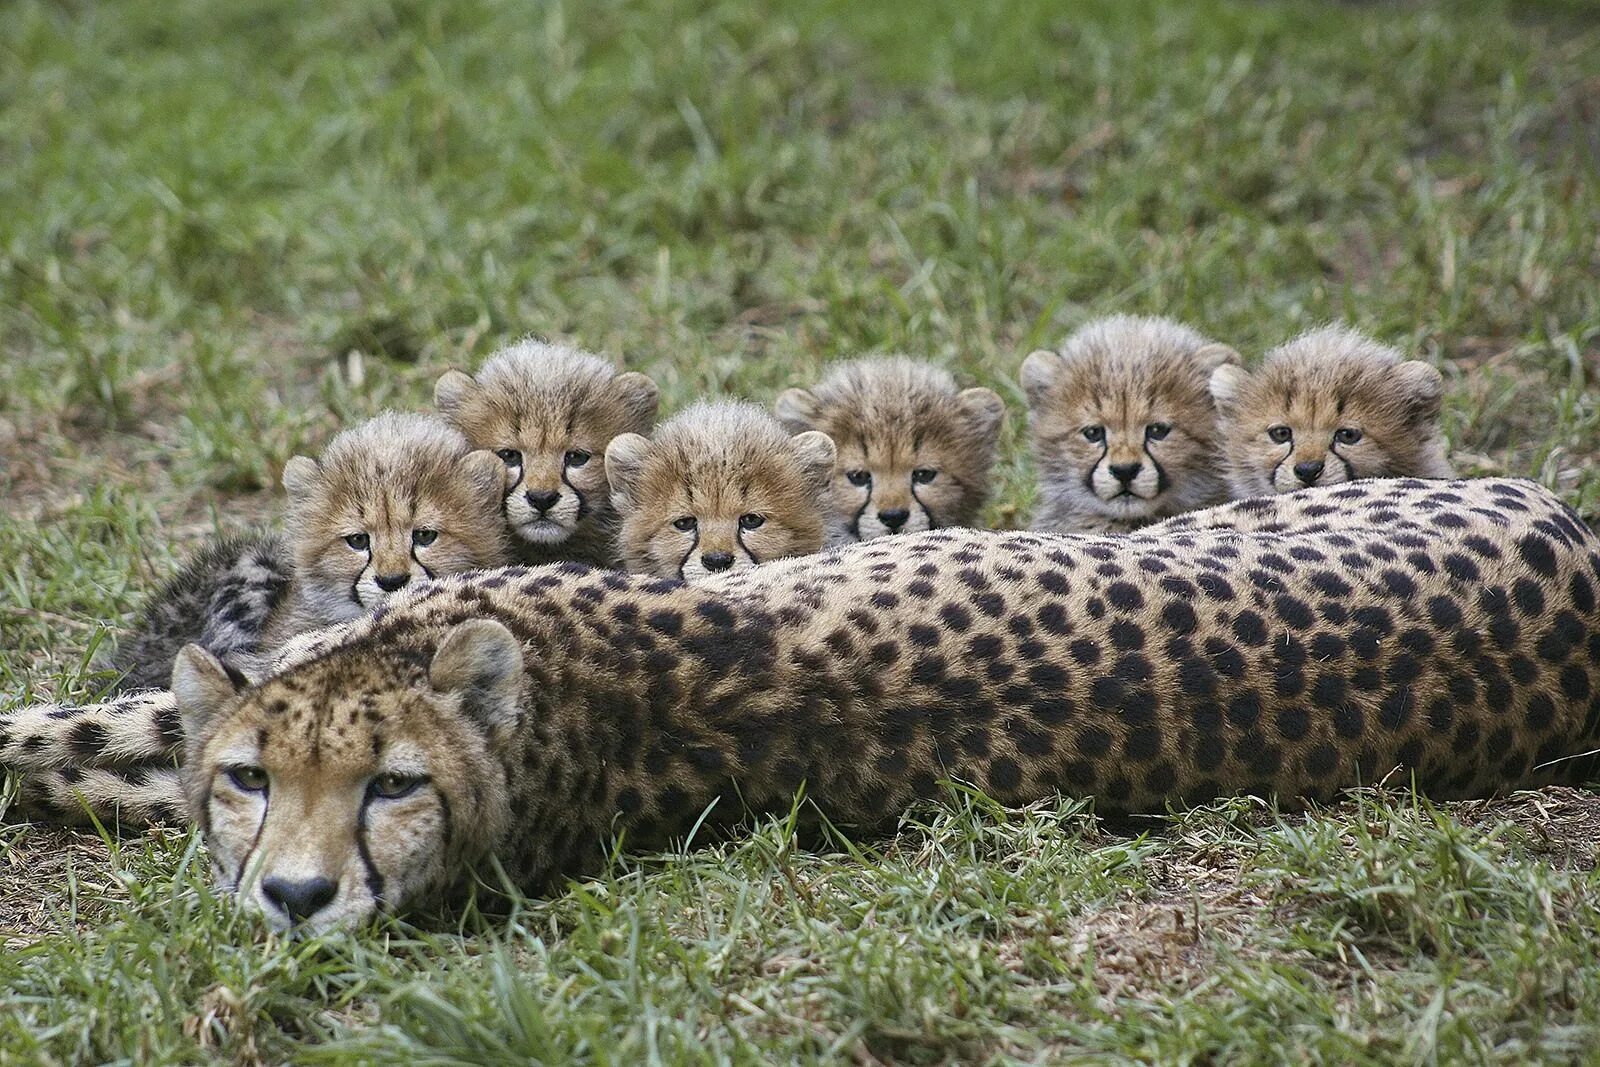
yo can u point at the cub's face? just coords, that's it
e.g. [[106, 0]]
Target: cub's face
[[1126, 439], [1295, 423], [697, 517], [334, 792], [365, 527], [552, 438], [921, 467]]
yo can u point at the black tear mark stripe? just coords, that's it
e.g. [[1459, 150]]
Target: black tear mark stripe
[[426, 570], [855, 520], [693, 544], [1161, 472], [738, 537], [1088, 476], [1349, 471], [583, 501], [374, 879], [926, 510], [356, 585], [244, 863]]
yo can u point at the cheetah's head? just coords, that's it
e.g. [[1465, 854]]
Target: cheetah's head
[[351, 784], [1329, 407]]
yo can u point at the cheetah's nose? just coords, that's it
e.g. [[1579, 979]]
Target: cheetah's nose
[[717, 561], [1310, 471], [299, 900], [390, 582], [894, 518], [543, 500], [1125, 472]]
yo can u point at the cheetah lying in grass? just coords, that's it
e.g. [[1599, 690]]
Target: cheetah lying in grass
[[1290, 645]]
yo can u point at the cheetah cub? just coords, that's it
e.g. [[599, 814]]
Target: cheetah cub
[[1124, 429], [719, 489], [1331, 406], [914, 451], [549, 412], [396, 498]]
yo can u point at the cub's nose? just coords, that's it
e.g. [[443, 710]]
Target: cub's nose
[[390, 582], [543, 500], [1125, 472], [717, 561], [1310, 471], [894, 518], [299, 899]]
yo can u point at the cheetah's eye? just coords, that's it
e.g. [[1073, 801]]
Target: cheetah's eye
[[1347, 435], [1094, 434], [1157, 431], [577, 457], [395, 786], [424, 538], [250, 779], [357, 541], [685, 524], [1280, 435], [510, 456], [858, 477], [751, 521], [924, 475]]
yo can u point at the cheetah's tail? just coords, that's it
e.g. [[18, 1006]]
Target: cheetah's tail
[[132, 730], [120, 798]]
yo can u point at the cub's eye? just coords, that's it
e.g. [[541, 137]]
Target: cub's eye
[[924, 475], [685, 524], [395, 786], [577, 457], [1347, 435], [248, 778], [358, 541], [1280, 435], [751, 522], [1157, 431], [1094, 434], [424, 538], [511, 456], [858, 477]]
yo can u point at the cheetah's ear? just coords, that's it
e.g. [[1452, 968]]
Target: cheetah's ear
[[452, 390], [639, 397], [485, 472], [1039, 374], [1214, 355], [625, 457], [203, 687], [816, 452], [984, 409], [301, 477], [481, 662], [797, 409], [1422, 386], [1226, 383]]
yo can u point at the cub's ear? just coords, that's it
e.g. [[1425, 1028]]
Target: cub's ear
[[816, 452], [301, 477], [1214, 355], [640, 399], [1422, 386], [625, 457], [203, 687], [481, 661], [797, 409], [1226, 383], [1040, 372], [485, 472], [452, 390], [983, 409]]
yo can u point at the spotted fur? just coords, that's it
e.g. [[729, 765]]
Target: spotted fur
[[720, 488], [1290, 645], [549, 412], [914, 451], [1124, 429], [1330, 407]]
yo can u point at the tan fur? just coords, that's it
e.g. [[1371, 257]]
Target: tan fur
[[1124, 429], [1286, 646], [914, 452], [728, 471], [550, 411], [1317, 389]]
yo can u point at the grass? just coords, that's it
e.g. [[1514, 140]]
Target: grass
[[226, 229]]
